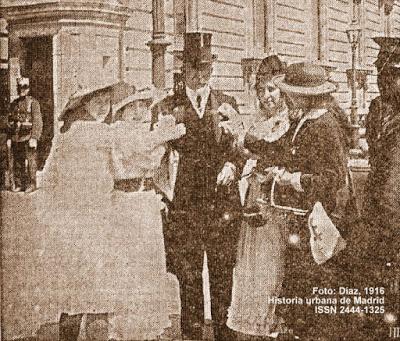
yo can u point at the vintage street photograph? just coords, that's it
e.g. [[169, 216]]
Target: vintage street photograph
[[220, 170]]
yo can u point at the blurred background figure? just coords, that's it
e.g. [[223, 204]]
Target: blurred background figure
[[382, 206], [25, 121]]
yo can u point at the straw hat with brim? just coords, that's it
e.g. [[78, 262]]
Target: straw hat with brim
[[305, 79]]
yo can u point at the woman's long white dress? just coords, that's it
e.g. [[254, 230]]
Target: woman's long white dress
[[78, 246], [259, 270]]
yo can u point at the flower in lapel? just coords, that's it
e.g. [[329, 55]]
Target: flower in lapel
[[179, 113], [230, 120], [222, 111]]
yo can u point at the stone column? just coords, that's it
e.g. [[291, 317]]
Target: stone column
[[192, 16], [158, 45]]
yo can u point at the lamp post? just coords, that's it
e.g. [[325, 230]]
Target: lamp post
[[353, 35]]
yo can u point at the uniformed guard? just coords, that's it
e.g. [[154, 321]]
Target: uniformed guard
[[383, 129], [25, 122], [382, 206], [202, 214]]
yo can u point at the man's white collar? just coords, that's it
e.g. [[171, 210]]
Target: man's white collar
[[204, 93]]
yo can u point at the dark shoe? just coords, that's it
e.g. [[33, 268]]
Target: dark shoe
[[223, 333], [69, 327], [194, 333]]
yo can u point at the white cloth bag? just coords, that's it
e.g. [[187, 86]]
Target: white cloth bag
[[325, 239]]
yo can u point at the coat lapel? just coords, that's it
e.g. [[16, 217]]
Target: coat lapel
[[184, 112], [312, 115]]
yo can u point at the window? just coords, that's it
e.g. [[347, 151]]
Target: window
[[256, 28], [259, 37]]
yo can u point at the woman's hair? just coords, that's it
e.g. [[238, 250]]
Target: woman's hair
[[270, 66]]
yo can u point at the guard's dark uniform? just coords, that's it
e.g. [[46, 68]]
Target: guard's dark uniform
[[201, 216], [382, 207], [381, 254], [26, 123]]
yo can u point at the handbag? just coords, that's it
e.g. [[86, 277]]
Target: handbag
[[325, 238]]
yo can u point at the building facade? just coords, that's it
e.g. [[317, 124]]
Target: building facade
[[65, 46]]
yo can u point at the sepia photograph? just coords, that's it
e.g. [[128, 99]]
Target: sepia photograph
[[220, 170]]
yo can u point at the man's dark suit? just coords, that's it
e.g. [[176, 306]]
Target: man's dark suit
[[201, 216]]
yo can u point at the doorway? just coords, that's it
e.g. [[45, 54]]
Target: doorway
[[39, 70]]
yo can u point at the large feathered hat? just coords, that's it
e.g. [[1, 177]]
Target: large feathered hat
[[269, 67]]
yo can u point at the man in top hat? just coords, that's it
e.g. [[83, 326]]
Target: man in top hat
[[25, 121], [203, 213]]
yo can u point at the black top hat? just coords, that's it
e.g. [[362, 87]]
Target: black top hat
[[197, 49], [389, 53]]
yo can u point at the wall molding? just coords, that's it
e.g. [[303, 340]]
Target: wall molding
[[54, 11]]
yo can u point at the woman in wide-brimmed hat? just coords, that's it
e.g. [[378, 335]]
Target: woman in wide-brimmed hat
[[313, 169]]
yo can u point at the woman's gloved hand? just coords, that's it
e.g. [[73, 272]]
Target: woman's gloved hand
[[286, 178]]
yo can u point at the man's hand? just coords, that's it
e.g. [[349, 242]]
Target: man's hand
[[231, 123], [167, 129], [165, 121], [8, 143], [235, 128], [256, 133], [227, 111], [227, 174], [181, 129], [32, 143]]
